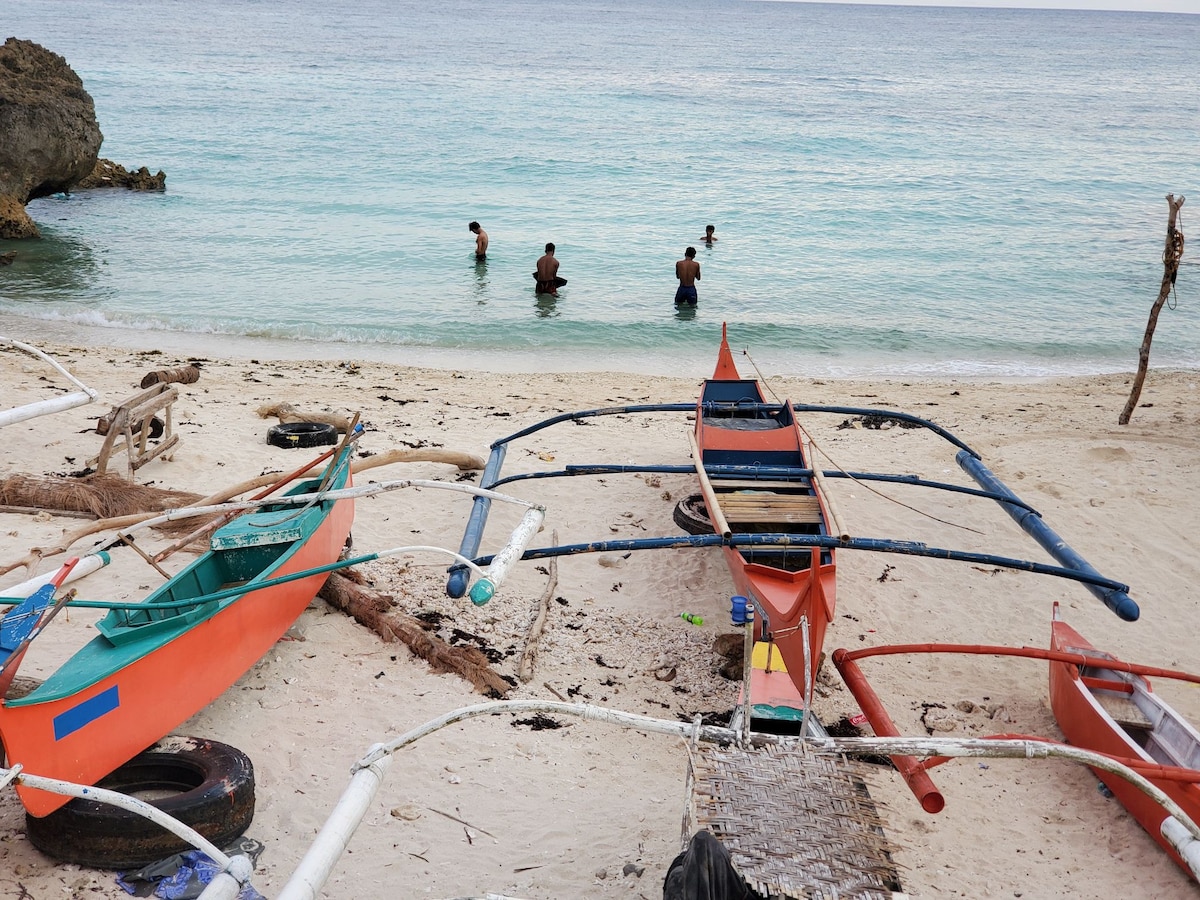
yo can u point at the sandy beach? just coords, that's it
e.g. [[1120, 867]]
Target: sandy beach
[[590, 810]]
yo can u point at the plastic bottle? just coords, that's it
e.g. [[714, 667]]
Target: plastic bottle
[[695, 620], [742, 611]]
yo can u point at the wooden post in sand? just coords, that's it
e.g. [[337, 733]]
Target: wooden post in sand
[[1172, 253]]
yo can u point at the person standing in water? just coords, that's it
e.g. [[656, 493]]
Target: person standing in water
[[481, 240], [687, 270], [548, 281], [709, 237]]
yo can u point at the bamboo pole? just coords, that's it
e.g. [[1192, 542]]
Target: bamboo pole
[[710, 496], [1172, 253]]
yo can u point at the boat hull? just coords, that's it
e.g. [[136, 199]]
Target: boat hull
[[165, 678], [1088, 713]]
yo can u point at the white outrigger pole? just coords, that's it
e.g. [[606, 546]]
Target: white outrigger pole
[[80, 397]]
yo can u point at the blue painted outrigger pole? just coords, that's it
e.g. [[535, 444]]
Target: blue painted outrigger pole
[[1118, 601]]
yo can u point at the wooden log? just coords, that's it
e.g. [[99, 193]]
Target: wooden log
[[287, 414], [1172, 253], [182, 375]]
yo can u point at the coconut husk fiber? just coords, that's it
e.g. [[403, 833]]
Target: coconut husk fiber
[[346, 591], [104, 496]]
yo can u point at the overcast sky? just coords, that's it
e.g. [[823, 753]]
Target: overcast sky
[[1178, 6]]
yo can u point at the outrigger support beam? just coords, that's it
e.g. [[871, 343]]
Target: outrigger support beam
[[1118, 600], [827, 542], [456, 583]]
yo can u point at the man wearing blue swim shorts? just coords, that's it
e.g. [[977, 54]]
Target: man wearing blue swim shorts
[[687, 270]]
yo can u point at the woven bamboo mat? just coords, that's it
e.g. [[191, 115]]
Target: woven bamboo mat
[[797, 825]]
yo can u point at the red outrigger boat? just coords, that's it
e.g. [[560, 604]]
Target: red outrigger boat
[[749, 441], [1101, 703], [158, 662], [1104, 706]]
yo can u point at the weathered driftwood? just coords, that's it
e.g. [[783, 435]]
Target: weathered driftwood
[[287, 414], [130, 426], [189, 374], [377, 611], [464, 461], [1172, 253], [529, 655]]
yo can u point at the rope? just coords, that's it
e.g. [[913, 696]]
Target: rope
[[762, 380], [1172, 254]]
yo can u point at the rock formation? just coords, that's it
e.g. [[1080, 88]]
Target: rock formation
[[109, 174], [49, 137]]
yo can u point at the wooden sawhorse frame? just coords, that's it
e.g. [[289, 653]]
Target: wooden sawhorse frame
[[129, 429]]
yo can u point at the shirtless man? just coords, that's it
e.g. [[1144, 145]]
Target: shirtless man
[[548, 281], [481, 240], [709, 237], [687, 270]]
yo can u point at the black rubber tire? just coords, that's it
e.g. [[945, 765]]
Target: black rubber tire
[[692, 515], [215, 784], [302, 434]]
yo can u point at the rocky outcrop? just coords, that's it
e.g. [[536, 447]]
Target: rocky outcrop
[[49, 137], [109, 174]]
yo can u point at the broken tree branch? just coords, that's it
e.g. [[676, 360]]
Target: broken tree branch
[[529, 656]]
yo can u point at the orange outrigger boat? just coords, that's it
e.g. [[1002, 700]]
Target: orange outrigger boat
[[1101, 703], [1107, 707], [793, 586], [156, 663]]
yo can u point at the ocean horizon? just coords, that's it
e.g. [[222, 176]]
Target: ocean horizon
[[897, 191]]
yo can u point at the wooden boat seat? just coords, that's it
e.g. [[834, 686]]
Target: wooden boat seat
[[1123, 711], [753, 507], [743, 484], [259, 529], [735, 423]]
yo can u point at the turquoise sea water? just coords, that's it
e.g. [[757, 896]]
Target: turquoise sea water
[[895, 190]]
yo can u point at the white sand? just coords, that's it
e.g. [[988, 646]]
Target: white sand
[[558, 813]]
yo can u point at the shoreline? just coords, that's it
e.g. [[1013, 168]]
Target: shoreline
[[243, 347], [1126, 498]]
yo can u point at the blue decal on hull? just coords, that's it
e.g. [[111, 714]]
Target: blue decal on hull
[[87, 711]]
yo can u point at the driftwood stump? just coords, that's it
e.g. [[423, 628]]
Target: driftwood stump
[[1172, 253]]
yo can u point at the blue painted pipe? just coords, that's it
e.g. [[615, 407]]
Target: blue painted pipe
[[784, 539], [460, 576], [1118, 601]]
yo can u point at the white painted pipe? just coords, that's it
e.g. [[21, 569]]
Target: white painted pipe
[[366, 490], [84, 395], [512, 551], [122, 801], [46, 407], [332, 840], [86, 566], [310, 876], [228, 883], [1183, 842]]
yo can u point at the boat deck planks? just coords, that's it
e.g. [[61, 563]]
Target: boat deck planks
[[759, 507]]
